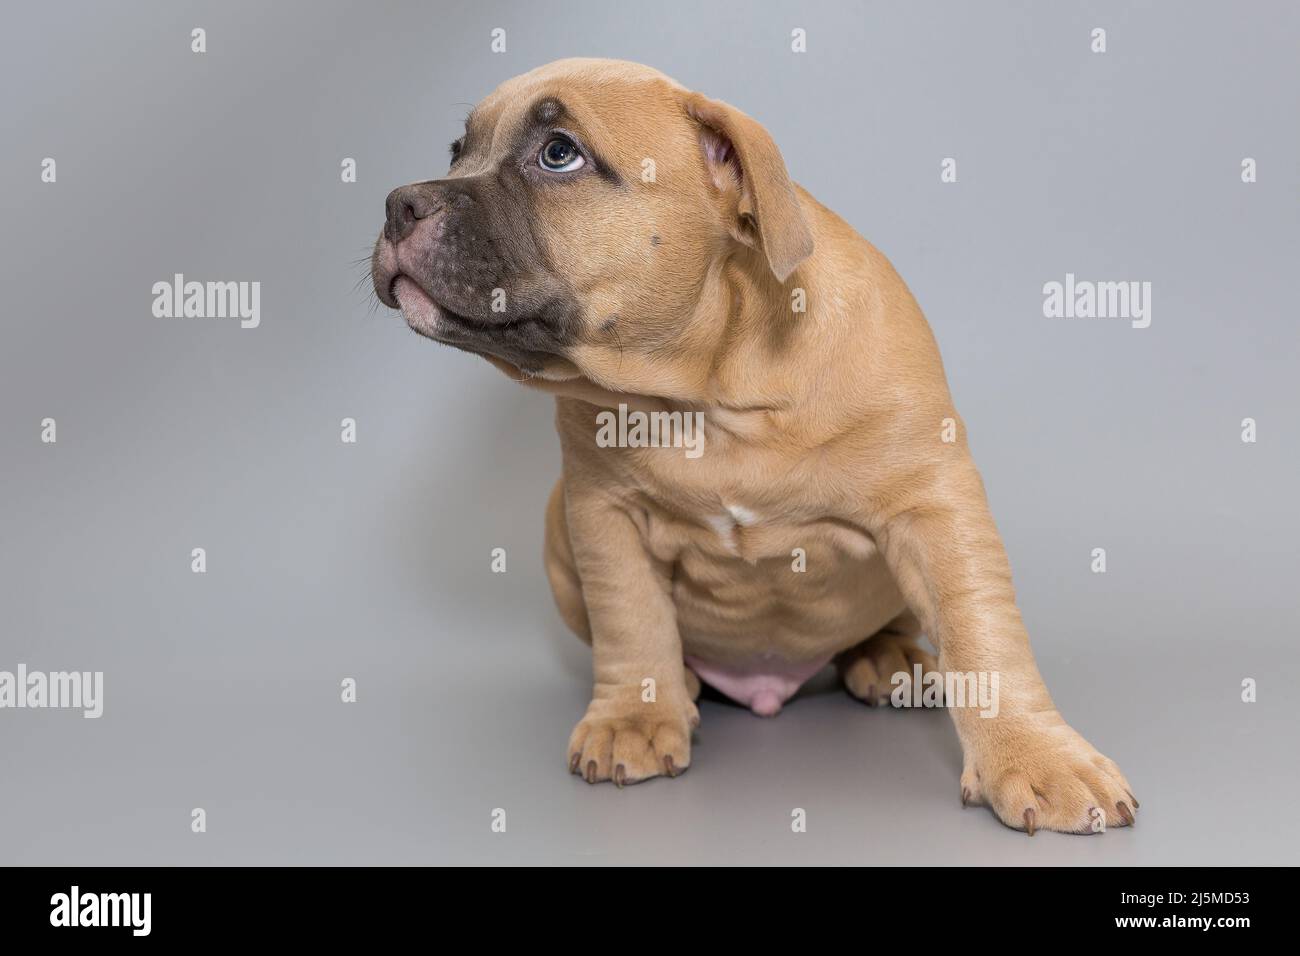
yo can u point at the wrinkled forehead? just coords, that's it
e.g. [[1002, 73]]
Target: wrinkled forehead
[[621, 114]]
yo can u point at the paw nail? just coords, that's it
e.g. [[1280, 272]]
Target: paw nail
[[1031, 822], [870, 699], [965, 796], [573, 763], [620, 774], [1136, 805], [1125, 812], [591, 771], [669, 768]]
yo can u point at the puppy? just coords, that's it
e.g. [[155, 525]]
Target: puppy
[[639, 251]]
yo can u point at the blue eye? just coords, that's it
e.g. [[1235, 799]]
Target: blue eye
[[560, 156]]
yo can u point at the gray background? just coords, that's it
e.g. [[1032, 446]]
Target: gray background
[[372, 561]]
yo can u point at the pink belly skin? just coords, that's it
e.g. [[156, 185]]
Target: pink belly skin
[[762, 685]]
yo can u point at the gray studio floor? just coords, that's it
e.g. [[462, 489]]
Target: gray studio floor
[[466, 694]]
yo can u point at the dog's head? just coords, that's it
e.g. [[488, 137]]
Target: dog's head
[[588, 211]]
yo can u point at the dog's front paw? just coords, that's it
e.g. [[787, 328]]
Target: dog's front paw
[[1048, 778], [626, 739]]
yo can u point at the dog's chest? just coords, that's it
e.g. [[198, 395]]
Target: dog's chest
[[763, 601], [768, 585], [720, 528], [729, 525], [729, 507]]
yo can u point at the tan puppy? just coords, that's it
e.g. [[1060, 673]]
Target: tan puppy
[[608, 236]]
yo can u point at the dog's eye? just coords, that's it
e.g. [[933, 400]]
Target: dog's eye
[[560, 156]]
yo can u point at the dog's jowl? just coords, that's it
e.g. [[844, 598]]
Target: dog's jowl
[[834, 514]]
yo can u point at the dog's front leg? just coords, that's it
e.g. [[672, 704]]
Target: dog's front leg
[[1020, 756], [639, 722]]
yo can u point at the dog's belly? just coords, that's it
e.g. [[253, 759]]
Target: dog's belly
[[763, 684], [763, 605]]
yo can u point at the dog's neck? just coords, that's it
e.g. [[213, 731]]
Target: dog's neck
[[712, 371]]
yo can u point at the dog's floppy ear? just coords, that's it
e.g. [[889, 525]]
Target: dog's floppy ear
[[741, 156]]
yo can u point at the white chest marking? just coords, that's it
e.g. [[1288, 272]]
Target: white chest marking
[[743, 516], [725, 528], [725, 524]]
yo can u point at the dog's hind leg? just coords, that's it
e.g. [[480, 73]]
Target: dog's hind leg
[[867, 669]]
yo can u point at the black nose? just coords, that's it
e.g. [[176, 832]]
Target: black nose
[[405, 206]]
